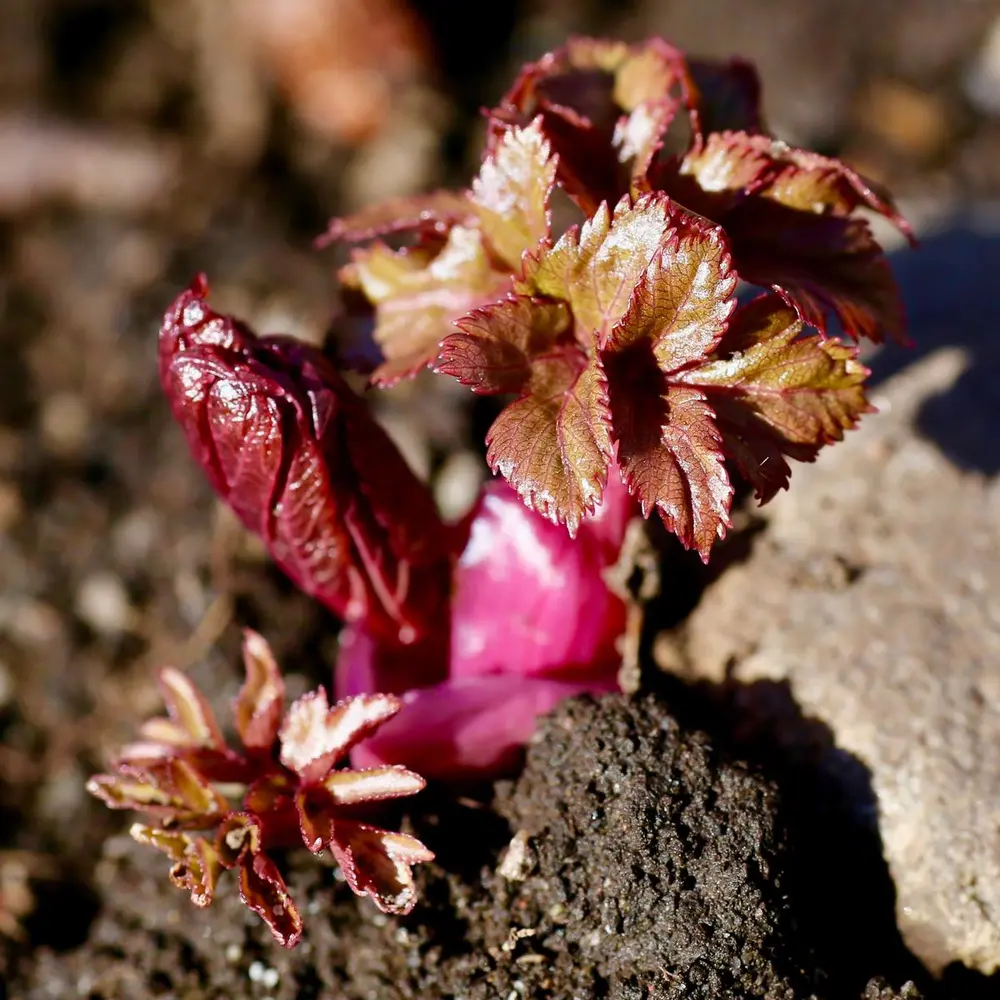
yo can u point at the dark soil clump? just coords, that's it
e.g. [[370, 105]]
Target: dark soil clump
[[640, 863]]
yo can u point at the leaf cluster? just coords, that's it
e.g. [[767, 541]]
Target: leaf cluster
[[620, 338], [212, 808]]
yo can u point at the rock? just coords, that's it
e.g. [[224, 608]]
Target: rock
[[874, 593]]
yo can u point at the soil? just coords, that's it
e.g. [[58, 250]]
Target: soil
[[638, 862], [717, 878]]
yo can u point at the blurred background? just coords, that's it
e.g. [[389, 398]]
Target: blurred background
[[144, 140]]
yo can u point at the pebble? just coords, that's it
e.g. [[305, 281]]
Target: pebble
[[102, 603]]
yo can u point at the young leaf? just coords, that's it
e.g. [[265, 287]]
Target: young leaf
[[301, 461], [418, 292], [669, 448], [512, 190], [196, 865], [263, 890], [436, 211], [552, 443], [191, 722], [260, 703], [376, 863], [595, 267], [315, 737], [822, 264], [723, 96], [777, 393], [601, 104]]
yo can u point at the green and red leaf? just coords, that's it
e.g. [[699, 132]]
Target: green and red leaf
[[260, 703], [777, 393], [552, 443], [419, 292], [668, 446], [377, 863], [595, 267], [511, 193]]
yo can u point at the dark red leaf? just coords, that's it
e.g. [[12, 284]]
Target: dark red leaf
[[777, 393], [435, 211], [822, 264], [723, 96], [377, 863], [300, 460], [604, 107], [263, 890], [261, 701]]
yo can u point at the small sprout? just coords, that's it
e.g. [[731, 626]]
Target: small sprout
[[212, 808]]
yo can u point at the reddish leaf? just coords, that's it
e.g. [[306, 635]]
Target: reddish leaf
[[738, 162], [822, 264], [435, 211], [552, 444], [777, 393], [419, 292], [301, 461], [261, 701], [601, 103], [170, 790], [373, 784], [723, 96], [196, 865], [263, 890], [191, 722], [669, 448], [512, 190], [495, 348], [315, 737], [376, 863], [595, 267]]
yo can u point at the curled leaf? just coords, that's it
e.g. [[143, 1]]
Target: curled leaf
[[436, 211], [196, 865], [301, 461], [377, 863], [261, 700], [263, 890]]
